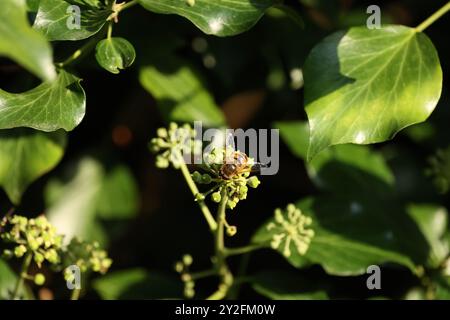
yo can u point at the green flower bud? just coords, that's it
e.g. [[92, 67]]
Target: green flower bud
[[216, 197], [173, 126], [179, 267], [187, 259], [20, 250], [189, 293], [196, 176], [185, 277], [206, 178], [38, 258], [7, 254], [199, 197], [253, 182], [162, 133], [231, 204], [39, 279], [231, 231], [162, 162]]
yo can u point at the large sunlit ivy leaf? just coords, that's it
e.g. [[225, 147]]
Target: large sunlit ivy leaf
[[87, 192], [25, 155], [432, 221], [180, 92], [137, 284], [354, 233], [218, 17], [115, 54], [282, 285], [363, 86], [343, 168], [48, 107], [18, 41], [71, 19]]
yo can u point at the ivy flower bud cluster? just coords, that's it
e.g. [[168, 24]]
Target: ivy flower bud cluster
[[172, 143], [87, 256], [36, 237], [290, 227], [182, 267]]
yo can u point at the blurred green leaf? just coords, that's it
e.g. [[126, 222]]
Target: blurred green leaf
[[57, 19], [114, 54], [51, 106], [220, 17], [363, 86], [340, 169], [180, 92], [432, 220], [18, 41], [87, 192], [8, 280], [138, 284], [26, 155], [354, 233], [282, 285]]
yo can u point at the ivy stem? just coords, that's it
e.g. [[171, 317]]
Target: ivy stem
[[23, 273], [203, 274], [435, 16], [221, 265], [110, 29], [85, 49], [190, 182], [75, 295], [129, 4], [241, 250]]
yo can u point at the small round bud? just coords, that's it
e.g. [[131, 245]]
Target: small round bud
[[253, 182], [7, 254], [39, 279], [231, 204], [19, 251], [187, 259], [196, 176], [199, 197], [162, 133], [185, 277], [173, 126], [162, 162], [216, 197], [231, 231], [206, 178], [179, 267], [189, 293]]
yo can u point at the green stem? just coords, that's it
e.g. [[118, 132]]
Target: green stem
[[241, 250], [75, 295], [203, 274], [435, 16], [221, 265], [129, 4], [110, 29], [23, 272], [203, 207], [85, 49]]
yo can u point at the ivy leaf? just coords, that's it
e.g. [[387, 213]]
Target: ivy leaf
[[354, 233], [180, 92], [137, 284], [363, 86], [48, 107], [282, 285], [71, 19], [26, 155], [18, 41], [432, 221], [218, 17], [343, 168], [113, 54]]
